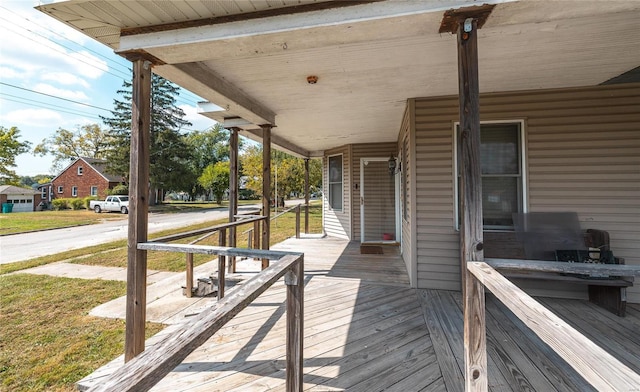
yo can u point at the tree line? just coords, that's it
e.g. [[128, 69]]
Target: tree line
[[195, 163]]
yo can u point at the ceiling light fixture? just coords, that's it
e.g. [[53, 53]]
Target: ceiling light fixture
[[312, 79]]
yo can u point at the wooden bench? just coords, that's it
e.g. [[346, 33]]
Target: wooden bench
[[607, 283]]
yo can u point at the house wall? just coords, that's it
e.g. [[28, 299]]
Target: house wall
[[337, 223], [70, 178], [583, 155], [406, 149]]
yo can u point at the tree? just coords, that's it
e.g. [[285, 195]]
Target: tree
[[10, 148], [215, 179], [289, 168], [169, 152], [89, 141]]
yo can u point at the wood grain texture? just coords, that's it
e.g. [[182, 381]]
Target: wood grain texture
[[569, 268], [213, 250], [593, 363], [295, 327], [138, 209], [233, 191], [475, 350], [266, 189]]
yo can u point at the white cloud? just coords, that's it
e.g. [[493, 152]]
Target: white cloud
[[31, 117], [65, 78], [61, 93]]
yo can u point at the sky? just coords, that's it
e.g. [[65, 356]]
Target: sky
[[52, 77]]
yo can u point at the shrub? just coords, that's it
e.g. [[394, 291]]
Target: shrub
[[60, 204], [87, 201], [119, 190], [76, 204]]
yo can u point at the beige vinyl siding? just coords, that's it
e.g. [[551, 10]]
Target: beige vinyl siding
[[337, 223], [377, 200], [582, 155], [407, 132]]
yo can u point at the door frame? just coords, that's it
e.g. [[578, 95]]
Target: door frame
[[396, 199]]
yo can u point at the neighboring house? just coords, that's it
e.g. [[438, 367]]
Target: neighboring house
[[356, 83], [84, 177], [46, 192], [23, 199]]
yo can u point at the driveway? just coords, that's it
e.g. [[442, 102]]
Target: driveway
[[26, 246]]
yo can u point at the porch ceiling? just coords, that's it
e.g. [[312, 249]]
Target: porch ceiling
[[369, 58]]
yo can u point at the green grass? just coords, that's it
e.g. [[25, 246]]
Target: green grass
[[47, 339], [22, 222]]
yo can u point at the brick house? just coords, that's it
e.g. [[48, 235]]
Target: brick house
[[84, 177]]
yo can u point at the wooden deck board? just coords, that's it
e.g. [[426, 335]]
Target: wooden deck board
[[365, 330]]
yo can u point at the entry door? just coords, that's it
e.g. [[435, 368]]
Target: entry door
[[377, 201]]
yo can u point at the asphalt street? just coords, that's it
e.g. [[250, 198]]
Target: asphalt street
[[26, 246]]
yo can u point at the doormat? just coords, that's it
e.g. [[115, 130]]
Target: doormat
[[371, 250]]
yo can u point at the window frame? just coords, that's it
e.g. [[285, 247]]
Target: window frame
[[329, 183], [60, 189], [91, 192], [74, 191], [80, 170], [523, 195]]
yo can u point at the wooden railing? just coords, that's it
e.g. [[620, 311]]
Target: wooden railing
[[253, 241], [145, 370], [594, 364], [221, 229]]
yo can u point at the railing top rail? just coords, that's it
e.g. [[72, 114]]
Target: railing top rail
[[571, 268], [216, 250], [193, 233], [144, 371], [287, 210], [594, 364]]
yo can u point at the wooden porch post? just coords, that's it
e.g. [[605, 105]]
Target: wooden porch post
[[306, 196], [138, 209], [233, 191], [475, 352], [266, 189]]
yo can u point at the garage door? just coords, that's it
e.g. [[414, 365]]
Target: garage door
[[21, 203]]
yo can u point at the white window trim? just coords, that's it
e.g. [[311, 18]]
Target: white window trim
[[74, 191], [91, 191], [60, 189], [80, 170], [329, 183], [523, 162]]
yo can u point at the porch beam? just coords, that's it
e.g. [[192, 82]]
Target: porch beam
[[266, 189], [207, 83], [138, 209], [284, 144], [233, 191]]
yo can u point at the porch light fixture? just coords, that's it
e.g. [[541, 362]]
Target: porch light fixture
[[392, 165]]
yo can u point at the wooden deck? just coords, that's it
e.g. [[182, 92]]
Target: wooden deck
[[366, 330]]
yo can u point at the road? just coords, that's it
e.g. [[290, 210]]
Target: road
[[26, 246]]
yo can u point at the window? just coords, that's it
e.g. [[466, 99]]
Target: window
[[501, 162], [74, 191], [94, 191], [43, 191], [60, 189], [80, 170], [335, 182]]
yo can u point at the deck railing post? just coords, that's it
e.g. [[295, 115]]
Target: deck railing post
[[298, 221], [294, 279], [222, 239], [189, 286], [306, 196]]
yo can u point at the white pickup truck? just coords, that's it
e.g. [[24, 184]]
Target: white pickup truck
[[111, 203]]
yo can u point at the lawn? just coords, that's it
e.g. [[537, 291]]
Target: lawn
[[47, 339], [22, 222]]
